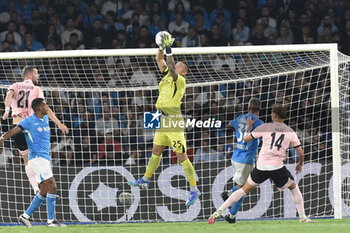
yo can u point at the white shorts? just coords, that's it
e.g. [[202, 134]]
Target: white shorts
[[241, 172], [41, 168]]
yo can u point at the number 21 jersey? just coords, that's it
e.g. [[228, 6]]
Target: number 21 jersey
[[24, 93]]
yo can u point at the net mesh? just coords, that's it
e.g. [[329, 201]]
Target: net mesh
[[344, 122], [102, 100]]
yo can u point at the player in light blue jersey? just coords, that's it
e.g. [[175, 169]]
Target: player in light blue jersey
[[37, 132], [243, 157]]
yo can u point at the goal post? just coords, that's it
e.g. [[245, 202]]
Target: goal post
[[335, 131], [103, 96]]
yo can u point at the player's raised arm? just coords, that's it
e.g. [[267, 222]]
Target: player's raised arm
[[165, 43], [161, 39], [53, 117], [8, 99], [171, 63], [160, 60]]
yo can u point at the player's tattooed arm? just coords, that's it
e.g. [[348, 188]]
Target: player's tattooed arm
[[160, 61], [171, 65]]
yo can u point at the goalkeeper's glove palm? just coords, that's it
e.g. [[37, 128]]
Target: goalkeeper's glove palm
[[167, 41]]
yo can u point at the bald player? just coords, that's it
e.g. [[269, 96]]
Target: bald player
[[171, 90], [19, 98]]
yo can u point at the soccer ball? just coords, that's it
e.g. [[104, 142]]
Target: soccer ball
[[159, 37], [126, 198]]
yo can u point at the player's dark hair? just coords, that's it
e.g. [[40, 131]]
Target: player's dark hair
[[215, 24], [73, 35], [280, 110], [254, 105], [26, 70], [112, 14], [198, 12], [36, 103]]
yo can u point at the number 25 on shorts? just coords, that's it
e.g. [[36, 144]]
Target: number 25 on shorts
[[177, 144]]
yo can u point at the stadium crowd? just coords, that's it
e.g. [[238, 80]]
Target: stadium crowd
[[106, 126], [27, 25]]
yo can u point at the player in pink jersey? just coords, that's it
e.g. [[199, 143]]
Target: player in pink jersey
[[19, 98], [276, 137]]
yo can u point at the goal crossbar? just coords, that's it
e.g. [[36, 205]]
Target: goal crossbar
[[175, 51]]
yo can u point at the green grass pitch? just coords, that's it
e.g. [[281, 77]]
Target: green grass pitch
[[270, 226]]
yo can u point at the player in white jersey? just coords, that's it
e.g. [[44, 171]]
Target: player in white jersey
[[276, 137], [19, 98]]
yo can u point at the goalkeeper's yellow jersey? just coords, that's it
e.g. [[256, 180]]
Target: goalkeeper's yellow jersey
[[170, 93]]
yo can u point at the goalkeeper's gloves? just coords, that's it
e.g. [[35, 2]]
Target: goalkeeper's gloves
[[6, 114], [167, 40], [168, 51], [161, 48]]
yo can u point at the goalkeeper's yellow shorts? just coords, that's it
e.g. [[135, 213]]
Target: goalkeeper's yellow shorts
[[176, 140]]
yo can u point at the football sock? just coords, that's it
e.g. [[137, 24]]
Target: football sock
[[51, 205], [234, 197], [234, 189], [298, 201], [236, 206], [189, 172], [152, 166], [34, 205], [31, 177]]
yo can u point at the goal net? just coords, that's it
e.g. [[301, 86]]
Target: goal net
[[105, 98]]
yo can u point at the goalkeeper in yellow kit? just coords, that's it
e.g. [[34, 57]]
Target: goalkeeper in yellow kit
[[171, 90]]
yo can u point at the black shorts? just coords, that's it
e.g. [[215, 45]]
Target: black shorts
[[20, 141], [279, 177]]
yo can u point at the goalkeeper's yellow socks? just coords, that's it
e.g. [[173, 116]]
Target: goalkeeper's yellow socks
[[152, 166], [189, 171]]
